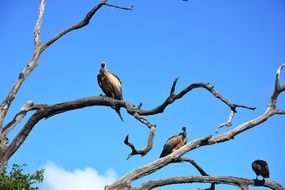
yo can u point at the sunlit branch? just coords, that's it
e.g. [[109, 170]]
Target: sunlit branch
[[242, 183]]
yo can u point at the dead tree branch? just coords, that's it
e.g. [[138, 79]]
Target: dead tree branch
[[228, 123], [5, 105], [157, 164], [39, 47], [204, 141], [196, 165], [146, 149], [149, 145], [120, 7], [173, 97], [242, 183], [84, 22], [43, 111], [17, 119], [37, 29], [46, 111]]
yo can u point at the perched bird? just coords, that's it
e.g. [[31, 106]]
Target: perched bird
[[260, 167], [110, 84], [174, 142]]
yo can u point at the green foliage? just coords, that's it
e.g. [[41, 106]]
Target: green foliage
[[16, 179]]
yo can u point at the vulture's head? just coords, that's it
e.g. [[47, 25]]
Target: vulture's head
[[103, 65], [184, 131]]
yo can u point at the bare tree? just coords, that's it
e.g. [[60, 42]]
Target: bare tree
[[44, 111]]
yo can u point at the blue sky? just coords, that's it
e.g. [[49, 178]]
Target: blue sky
[[236, 45]]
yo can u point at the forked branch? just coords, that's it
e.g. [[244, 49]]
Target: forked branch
[[146, 149], [173, 97], [206, 141], [39, 47], [5, 105]]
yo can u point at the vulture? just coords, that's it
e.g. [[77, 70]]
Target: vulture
[[110, 84], [174, 143], [260, 167]]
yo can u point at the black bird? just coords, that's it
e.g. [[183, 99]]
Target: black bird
[[260, 167], [174, 143], [110, 84]]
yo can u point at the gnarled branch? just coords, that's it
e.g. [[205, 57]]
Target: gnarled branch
[[146, 149], [5, 105], [173, 97], [5, 153], [39, 48], [204, 141], [239, 182]]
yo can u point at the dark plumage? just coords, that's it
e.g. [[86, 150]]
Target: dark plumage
[[260, 167], [174, 142], [110, 84]]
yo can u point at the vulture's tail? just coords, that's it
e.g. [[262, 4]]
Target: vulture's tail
[[119, 113]]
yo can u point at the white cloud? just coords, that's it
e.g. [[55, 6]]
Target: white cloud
[[56, 178]]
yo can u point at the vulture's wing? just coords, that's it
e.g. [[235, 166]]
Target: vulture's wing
[[99, 80], [170, 144], [181, 143], [103, 85], [116, 77], [264, 170], [260, 167], [256, 167], [116, 85]]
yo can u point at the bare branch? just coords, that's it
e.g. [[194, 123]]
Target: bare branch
[[37, 30], [144, 121], [18, 117], [48, 111], [173, 97], [5, 105], [277, 78], [195, 164], [199, 168], [279, 112], [149, 145], [39, 48], [146, 149], [239, 182], [228, 123], [278, 88], [157, 164], [154, 166], [172, 90], [120, 7], [76, 26], [84, 22], [243, 106]]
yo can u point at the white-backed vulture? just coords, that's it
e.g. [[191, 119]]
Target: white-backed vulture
[[110, 84], [174, 142], [260, 167]]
